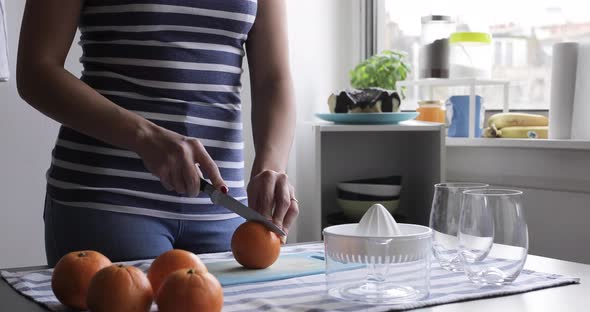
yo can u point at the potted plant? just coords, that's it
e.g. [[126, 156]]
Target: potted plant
[[373, 84], [382, 70]]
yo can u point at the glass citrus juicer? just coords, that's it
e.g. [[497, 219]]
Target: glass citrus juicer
[[378, 261]]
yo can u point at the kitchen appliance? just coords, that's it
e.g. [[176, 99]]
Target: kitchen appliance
[[369, 262]]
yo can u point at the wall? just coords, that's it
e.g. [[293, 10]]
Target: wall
[[27, 138], [323, 51], [556, 185]]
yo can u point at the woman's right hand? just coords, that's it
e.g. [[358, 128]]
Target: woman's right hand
[[176, 160]]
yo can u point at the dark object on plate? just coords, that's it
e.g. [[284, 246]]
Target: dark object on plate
[[370, 100]]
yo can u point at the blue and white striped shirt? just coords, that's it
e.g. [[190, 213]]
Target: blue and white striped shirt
[[178, 64]]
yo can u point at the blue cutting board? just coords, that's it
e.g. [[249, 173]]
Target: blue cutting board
[[287, 266]]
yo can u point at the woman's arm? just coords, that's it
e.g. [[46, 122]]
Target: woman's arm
[[273, 113], [48, 29]]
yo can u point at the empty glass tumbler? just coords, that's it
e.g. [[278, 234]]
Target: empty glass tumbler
[[493, 236], [444, 221]]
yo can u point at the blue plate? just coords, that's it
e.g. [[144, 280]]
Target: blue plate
[[369, 118]]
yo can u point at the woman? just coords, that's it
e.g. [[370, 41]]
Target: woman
[[158, 104]]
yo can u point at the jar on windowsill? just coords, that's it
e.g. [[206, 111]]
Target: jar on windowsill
[[471, 55], [434, 46], [432, 111]]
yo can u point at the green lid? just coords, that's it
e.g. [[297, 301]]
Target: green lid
[[470, 37]]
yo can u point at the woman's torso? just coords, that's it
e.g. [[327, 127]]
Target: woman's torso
[[176, 63]]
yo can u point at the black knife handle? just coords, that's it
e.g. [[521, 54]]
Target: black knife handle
[[204, 184]]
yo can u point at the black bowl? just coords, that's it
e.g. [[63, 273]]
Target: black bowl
[[392, 180], [363, 197]]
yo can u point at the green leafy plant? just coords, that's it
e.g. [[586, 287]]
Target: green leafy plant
[[382, 70]]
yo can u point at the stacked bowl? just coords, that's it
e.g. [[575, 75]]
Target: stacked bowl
[[357, 196]]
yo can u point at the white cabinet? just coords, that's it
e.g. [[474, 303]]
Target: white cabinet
[[414, 150]]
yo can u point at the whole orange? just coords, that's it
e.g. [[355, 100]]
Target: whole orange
[[72, 274], [171, 261], [254, 246], [119, 288], [189, 290]]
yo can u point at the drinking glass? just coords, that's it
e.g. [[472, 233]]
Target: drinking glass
[[444, 221], [493, 236]]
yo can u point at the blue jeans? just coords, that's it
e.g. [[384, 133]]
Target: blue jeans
[[123, 237]]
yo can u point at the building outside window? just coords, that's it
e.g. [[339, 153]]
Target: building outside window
[[523, 32]]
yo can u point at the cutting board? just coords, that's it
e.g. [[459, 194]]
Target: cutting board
[[287, 266]]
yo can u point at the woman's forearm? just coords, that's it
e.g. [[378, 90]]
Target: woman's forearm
[[273, 103], [58, 94], [273, 114], [47, 32], [273, 125]]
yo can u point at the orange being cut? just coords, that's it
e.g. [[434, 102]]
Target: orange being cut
[[254, 246]]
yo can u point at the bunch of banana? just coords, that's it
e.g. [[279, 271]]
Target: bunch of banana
[[517, 125], [504, 120], [517, 132]]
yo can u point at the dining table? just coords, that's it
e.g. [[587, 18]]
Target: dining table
[[574, 297]]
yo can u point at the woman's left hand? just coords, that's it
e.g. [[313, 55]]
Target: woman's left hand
[[271, 194]]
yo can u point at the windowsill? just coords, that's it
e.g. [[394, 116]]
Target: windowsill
[[519, 143]]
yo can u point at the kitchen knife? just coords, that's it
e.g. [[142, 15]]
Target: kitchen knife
[[218, 198]]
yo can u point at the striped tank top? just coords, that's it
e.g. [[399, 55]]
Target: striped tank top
[[178, 64]]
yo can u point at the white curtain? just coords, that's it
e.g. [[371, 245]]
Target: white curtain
[[4, 74]]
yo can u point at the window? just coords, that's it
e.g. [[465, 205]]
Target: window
[[523, 33]]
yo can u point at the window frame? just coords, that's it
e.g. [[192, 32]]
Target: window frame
[[370, 25]]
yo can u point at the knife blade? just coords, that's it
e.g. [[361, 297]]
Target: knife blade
[[221, 199]]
